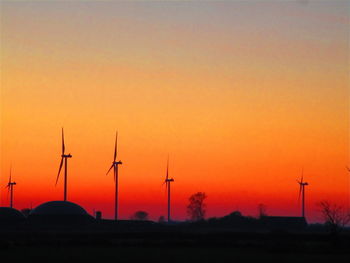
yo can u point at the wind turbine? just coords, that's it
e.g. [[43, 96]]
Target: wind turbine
[[115, 165], [167, 183], [64, 158], [10, 185], [302, 185]]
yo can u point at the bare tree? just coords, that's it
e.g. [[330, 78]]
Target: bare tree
[[334, 215], [262, 210], [196, 208], [139, 215]]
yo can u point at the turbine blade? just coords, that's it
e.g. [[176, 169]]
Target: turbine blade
[[302, 175], [110, 169], [63, 146], [59, 170], [300, 189], [167, 169], [10, 178], [115, 147], [347, 167]]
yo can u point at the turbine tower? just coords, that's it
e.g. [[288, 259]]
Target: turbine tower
[[347, 167], [115, 165], [302, 185], [10, 185], [167, 183], [64, 158]]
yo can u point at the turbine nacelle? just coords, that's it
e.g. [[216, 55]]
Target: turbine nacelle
[[66, 156], [301, 181], [116, 163], [10, 184]]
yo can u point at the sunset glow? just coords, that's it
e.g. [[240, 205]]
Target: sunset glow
[[241, 95]]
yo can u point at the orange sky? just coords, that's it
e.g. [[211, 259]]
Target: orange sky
[[241, 95]]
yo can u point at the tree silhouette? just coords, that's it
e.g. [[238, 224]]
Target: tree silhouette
[[334, 215], [140, 215], [196, 207]]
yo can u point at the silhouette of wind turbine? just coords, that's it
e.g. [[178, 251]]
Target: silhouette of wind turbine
[[115, 165], [302, 185], [347, 168], [167, 183], [9, 186], [64, 158]]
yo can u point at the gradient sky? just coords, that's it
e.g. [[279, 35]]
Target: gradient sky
[[242, 95]]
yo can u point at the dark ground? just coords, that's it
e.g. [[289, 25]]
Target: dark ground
[[171, 245], [160, 254]]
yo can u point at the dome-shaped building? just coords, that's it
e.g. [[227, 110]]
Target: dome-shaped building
[[60, 212], [10, 215]]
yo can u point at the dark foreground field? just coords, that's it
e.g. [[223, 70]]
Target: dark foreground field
[[174, 246], [161, 254]]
